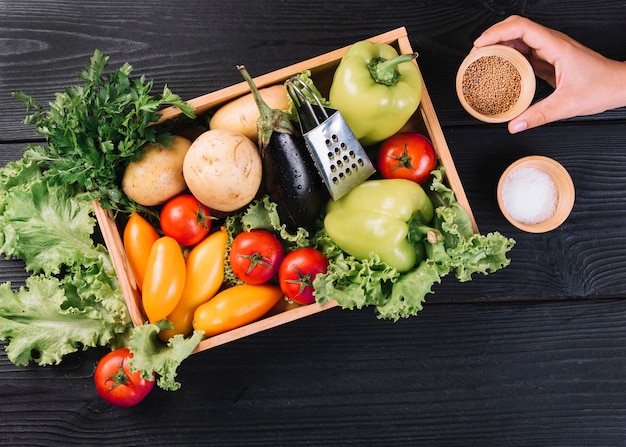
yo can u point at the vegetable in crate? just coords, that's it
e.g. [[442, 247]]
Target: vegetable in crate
[[235, 306], [255, 256], [157, 175], [223, 169], [408, 155], [165, 279], [185, 219], [289, 173], [298, 271], [373, 218], [139, 236], [376, 90]]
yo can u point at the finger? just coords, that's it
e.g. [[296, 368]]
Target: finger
[[542, 112], [514, 28]]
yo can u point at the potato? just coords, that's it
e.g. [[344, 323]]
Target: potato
[[158, 175], [223, 169], [241, 114]]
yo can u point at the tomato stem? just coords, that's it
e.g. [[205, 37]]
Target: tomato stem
[[120, 378], [204, 219], [257, 259], [404, 160], [304, 280]]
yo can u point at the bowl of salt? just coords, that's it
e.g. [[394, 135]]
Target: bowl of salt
[[536, 194]]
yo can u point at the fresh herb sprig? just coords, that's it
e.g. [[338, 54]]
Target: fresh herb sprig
[[94, 130]]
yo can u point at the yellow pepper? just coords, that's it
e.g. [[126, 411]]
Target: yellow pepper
[[205, 274], [139, 236], [235, 307], [165, 279]]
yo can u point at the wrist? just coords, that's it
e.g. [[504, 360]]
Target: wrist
[[610, 86], [620, 86]]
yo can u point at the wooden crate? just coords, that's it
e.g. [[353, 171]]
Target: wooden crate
[[322, 69]]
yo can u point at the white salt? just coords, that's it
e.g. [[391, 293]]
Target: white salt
[[529, 195]]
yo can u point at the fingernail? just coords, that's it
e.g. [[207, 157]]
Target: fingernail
[[518, 126]]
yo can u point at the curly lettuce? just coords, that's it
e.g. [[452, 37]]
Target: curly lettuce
[[150, 355], [72, 299]]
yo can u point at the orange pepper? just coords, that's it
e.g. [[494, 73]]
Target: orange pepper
[[235, 307], [205, 274], [139, 236], [165, 279]]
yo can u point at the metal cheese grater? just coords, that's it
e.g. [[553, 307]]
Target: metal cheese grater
[[340, 159]]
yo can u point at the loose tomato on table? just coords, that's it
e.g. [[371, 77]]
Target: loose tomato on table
[[407, 155], [297, 272], [255, 256], [116, 383], [185, 219]]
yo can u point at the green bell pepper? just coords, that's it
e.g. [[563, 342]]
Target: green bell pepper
[[373, 218], [376, 90]]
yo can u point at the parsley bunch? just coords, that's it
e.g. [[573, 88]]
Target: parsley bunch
[[94, 130]]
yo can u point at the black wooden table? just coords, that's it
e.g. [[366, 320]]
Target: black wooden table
[[534, 355]]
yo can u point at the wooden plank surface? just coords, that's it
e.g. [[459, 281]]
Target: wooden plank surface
[[532, 374], [534, 355]]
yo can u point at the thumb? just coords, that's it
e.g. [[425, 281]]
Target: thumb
[[538, 114]]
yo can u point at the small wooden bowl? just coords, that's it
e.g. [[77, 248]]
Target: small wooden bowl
[[494, 79], [563, 183]]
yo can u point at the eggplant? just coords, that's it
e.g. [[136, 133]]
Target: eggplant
[[290, 176], [292, 181]]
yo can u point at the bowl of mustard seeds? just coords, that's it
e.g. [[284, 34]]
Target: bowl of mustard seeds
[[495, 83]]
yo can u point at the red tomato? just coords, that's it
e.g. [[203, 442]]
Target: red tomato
[[297, 272], [115, 382], [185, 219], [407, 155], [255, 256]]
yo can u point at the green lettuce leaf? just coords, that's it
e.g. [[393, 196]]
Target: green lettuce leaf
[[49, 227], [466, 252], [45, 319], [17, 174], [409, 292], [73, 300], [150, 355]]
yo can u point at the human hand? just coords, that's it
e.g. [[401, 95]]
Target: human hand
[[585, 82]]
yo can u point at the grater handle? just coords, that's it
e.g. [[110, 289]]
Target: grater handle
[[307, 114]]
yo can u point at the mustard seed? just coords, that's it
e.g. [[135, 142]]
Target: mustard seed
[[491, 85]]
